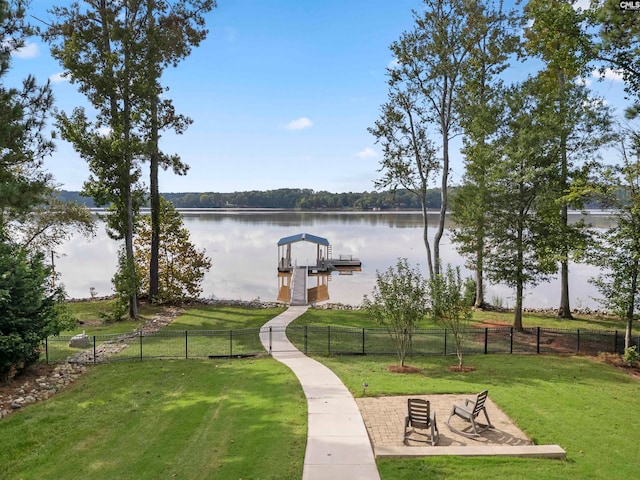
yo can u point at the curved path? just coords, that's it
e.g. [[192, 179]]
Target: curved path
[[338, 445]]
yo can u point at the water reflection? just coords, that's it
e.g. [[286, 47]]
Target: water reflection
[[284, 287], [319, 292], [243, 247], [317, 285]]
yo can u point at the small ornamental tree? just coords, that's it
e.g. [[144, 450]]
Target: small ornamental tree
[[30, 309], [181, 265], [399, 300], [449, 305]]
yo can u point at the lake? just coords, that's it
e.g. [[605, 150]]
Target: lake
[[243, 247]]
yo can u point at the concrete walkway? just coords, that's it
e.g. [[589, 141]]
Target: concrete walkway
[[338, 445]]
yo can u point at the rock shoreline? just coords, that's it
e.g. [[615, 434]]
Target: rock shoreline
[[41, 388]]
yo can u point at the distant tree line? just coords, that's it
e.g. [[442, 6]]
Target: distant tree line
[[302, 198], [295, 198]]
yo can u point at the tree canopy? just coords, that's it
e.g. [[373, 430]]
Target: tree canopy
[[30, 307]]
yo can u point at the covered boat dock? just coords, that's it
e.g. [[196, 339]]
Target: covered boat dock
[[324, 259], [293, 278]]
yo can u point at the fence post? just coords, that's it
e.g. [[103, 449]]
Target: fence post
[[94, 350], [46, 350], [363, 352], [186, 344], [329, 338], [486, 340], [270, 340], [445, 341], [615, 342], [140, 345], [578, 342], [230, 343], [306, 336], [511, 340], [538, 340]]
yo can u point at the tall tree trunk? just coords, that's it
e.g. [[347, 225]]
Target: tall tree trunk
[[631, 307], [517, 318], [425, 233], [125, 183], [517, 314], [154, 281], [565, 309], [154, 159], [443, 202], [127, 180], [154, 155], [131, 264], [479, 303]]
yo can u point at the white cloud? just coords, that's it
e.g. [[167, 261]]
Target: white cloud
[[609, 74], [104, 131], [58, 78], [582, 5], [584, 81], [393, 63], [299, 124], [367, 153], [30, 50]]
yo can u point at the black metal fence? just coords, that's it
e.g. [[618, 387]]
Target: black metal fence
[[333, 340], [328, 340]]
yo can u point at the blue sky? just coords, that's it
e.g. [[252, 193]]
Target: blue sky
[[281, 93]]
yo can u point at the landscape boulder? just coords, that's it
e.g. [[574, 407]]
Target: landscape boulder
[[80, 341]]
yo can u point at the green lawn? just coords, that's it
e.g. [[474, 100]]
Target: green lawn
[[247, 418], [583, 405], [200, 344], [324, 332], [211, 317], [163, 419], [89, 315], [360, 319]]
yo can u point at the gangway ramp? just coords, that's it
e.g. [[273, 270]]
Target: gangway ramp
[[299, 286]]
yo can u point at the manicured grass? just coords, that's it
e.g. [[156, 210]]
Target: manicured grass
[[582, 405], [208, 317], [212, 317], [353, 332], [89, 313], [157, 419], [360, 319], [211, 330], [163, 419], [530, 319]]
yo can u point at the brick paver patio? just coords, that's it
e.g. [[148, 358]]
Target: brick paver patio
[[384, 419]]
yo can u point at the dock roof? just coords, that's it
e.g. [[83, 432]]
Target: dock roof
[[303, 237]]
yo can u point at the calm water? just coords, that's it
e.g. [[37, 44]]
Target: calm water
[[243, 246]]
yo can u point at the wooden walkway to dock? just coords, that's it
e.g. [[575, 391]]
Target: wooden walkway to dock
[[299, 286]]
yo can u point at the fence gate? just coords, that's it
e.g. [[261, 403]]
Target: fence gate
[[275, 339]]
